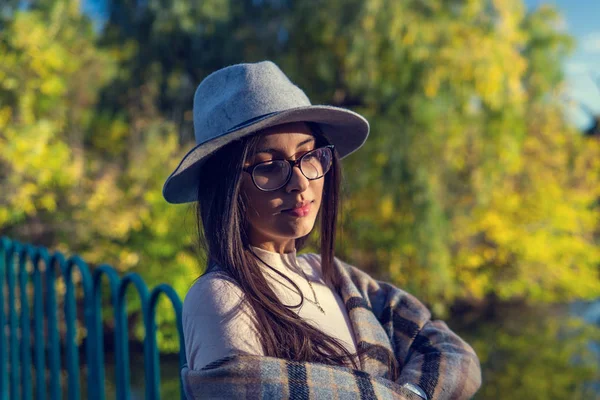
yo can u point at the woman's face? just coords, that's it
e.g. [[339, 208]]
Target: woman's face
[[279, 217]]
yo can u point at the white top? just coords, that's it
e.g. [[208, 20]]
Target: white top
[[216, 324]]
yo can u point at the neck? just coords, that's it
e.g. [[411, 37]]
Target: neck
[[281, 247], [283, 262]]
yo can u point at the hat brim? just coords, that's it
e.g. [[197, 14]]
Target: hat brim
[[345, 129]]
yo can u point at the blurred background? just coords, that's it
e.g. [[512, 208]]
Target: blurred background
[[477, 191]]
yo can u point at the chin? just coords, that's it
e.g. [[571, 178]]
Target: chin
[[297, 230]]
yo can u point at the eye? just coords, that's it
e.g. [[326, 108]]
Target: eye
[[268, 166], [303, 152], [257, 159]]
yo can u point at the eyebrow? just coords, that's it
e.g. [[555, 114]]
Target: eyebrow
[[274, 151]]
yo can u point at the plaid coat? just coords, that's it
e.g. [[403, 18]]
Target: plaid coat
[[385, 319]]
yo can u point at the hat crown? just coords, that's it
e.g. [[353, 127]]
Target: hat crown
[[235, 95], [243, 99]]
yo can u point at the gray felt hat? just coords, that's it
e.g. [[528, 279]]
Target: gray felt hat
[[242, 99]]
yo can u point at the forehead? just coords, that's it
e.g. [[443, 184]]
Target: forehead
[[282, 137]]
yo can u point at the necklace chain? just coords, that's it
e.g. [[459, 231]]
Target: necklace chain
[[316, 301]]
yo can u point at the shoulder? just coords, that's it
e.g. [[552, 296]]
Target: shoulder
[[212, 293], [314, 260], [217, 321], [357, 275], [311, 258], [215, 309]]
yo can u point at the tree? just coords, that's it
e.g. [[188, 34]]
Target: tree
[[471, 184]]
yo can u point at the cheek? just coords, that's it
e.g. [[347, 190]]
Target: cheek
[[263, 206], [260, 204], [317, 188]]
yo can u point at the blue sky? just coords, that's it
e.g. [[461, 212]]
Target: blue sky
[[581, 20]]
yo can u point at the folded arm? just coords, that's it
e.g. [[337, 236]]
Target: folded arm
[[429, 354]]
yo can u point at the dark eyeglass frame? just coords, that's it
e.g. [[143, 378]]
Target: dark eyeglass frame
[[293, 163]]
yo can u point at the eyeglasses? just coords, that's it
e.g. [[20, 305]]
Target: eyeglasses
[[275, 174]]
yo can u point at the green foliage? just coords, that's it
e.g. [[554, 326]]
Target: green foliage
[[46, 99], [76, 178], [471, 183], [468, 143]]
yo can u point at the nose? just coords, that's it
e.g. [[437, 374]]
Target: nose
[[298, 182]]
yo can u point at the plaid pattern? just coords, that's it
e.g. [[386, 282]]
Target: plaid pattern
[[387, 321]]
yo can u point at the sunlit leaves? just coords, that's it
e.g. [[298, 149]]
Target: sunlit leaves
[[73, 177], [36, 58], [471, 183], [466, 186]]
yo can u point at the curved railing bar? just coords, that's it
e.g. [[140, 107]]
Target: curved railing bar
[[25, 252], [65, 267], [33, 254], [89, 318], [121, 315], [57, 262], [38, 310], [113, 281], [177, 306], [15, 364], [93, 321], [4, 251]]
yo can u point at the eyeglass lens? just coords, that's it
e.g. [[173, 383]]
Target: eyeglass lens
[[274, 174]]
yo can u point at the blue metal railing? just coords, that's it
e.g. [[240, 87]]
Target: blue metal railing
[[15, 342]]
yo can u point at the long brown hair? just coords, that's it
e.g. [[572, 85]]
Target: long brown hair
[[223, 231]]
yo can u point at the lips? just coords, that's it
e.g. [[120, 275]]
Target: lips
[[300, 210]]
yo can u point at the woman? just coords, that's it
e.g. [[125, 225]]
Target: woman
[[264, 321]]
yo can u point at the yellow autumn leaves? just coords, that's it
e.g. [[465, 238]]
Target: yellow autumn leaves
[[471, 183]]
